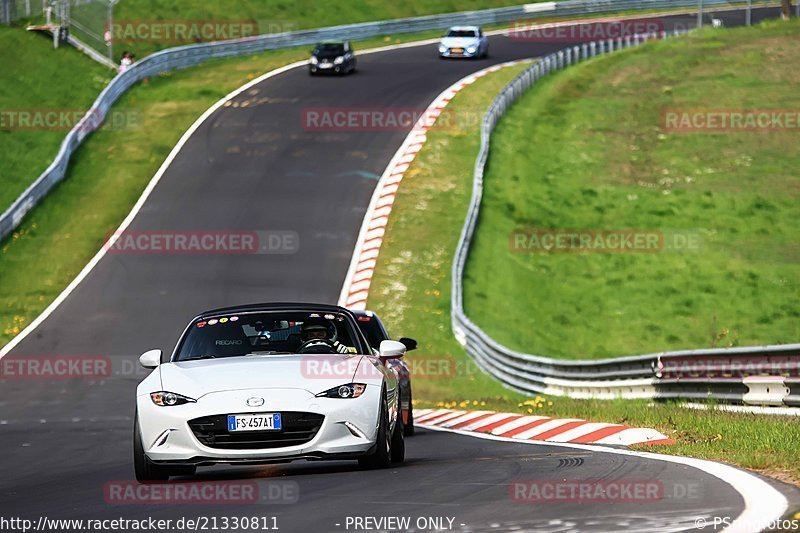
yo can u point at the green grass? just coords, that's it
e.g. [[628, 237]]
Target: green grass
[[37, 78], [411, 291], [585, 150]]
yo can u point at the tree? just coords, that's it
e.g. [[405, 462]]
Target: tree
[[786, 9]]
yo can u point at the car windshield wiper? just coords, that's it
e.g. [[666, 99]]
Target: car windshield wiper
[[198, 357]]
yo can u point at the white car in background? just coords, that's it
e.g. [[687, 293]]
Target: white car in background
[[268, 383], [464, 41]]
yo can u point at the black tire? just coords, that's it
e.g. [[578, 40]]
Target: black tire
[[408, 427], [144, 469], [398, 447], [382, 456]]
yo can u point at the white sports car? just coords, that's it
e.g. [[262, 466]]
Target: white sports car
[[464, 41], [268, 383]]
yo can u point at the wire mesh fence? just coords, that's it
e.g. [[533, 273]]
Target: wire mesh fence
[[12, 10], [90, 22]]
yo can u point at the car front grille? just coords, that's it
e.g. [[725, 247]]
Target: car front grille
[[297, 428]]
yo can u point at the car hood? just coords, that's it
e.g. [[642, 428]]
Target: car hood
[[459, 42], [313, 373], [327, 55]]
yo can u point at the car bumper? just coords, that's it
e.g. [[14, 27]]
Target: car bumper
[[465, 53], [348, 429], [327, 68]]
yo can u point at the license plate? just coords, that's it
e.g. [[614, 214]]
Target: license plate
[[325, 65], [456, 50], [262, 422]]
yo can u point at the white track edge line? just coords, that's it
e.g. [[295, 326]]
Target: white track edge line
[[760, 498]]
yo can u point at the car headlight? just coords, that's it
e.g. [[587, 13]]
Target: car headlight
[[348, 390], [313, 60], [168, 399], [471, 49], [339, 60], [442, 48]]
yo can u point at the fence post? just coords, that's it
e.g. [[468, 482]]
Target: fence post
[[5, 12], [699, 13], [110, 31], [748, 14]]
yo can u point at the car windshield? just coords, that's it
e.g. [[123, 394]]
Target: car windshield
[[329, 49], [269, 333], [462, 33]]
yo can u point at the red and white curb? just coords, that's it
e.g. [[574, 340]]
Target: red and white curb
[[365, 257], [539, 428]]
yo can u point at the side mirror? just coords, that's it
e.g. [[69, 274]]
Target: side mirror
[[409, 343], [392, 350], [150, 359]]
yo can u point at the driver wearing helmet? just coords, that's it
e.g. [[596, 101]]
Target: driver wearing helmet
[[317, 330]]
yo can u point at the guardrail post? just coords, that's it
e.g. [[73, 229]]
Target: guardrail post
[[619, 43], [627, 41], [592, 49], [560, 60], [568, 59], [576, 53], [584, 51]]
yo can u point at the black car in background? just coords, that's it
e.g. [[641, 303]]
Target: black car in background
[[332, 57], [375, 332]]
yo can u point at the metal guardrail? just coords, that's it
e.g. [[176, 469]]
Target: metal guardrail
[[761, 375], [190, 55]]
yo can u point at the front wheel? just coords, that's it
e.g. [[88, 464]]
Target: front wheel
[[144, 469], [382, 456]]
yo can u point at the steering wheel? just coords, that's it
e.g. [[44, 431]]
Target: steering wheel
[[317, 346]]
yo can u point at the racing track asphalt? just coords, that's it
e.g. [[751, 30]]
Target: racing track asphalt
[[251, 166]]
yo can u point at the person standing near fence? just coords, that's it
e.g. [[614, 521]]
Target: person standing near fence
[[125, 61]]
